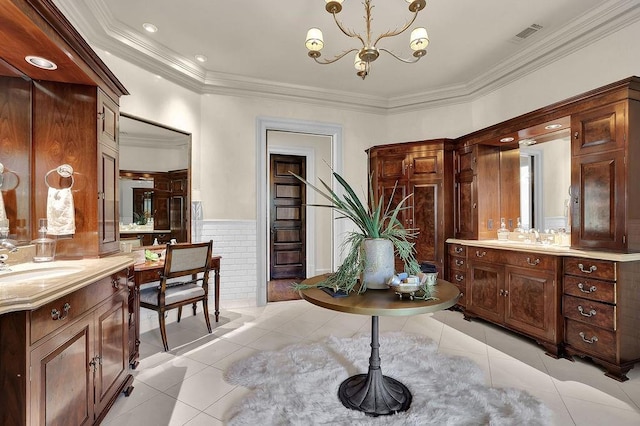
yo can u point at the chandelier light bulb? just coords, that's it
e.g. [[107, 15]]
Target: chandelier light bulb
[[358, 63], [419, 39], [314, 41]]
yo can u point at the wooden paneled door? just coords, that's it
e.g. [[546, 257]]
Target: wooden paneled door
[[287, 218]]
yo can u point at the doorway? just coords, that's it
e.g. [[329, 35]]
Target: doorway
[[287, 242]]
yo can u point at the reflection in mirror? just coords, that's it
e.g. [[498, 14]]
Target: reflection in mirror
[[15, 152], [154, 180], [545, 181]]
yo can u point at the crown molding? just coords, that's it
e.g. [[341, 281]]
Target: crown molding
[[112, 36]]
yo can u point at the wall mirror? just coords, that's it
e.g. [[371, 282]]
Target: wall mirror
[[15, 153], [545, 175], [154, 181]]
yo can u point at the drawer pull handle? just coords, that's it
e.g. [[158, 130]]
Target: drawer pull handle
[[56, 315], [459, 262], [591, 313], [592, 289], [115, 283], [481, 254], [533, 263], [459, 277], [592, 268], [591, 341], [458, 250]]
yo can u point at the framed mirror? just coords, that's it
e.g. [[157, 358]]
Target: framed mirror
[[15, 153], [155, 187]]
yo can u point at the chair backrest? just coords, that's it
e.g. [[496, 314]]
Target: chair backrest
[[187, 259]]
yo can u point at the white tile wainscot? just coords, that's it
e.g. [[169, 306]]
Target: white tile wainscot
[[235, 241]]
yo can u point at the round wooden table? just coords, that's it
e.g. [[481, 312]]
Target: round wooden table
[[373, 393]]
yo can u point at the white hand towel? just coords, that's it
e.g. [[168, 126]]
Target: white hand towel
[[60, 212], [3, 212]]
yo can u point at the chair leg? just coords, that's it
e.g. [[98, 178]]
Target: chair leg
[[163, 330], [205, 308], [179, 313], [195, 308]]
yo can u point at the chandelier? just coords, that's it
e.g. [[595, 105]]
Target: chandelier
[[369, 51]]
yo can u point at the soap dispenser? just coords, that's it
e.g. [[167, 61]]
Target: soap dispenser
[[45, 247], [503, 232]]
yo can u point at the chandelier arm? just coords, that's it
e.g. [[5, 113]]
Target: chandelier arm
[[406, 61], [346, 31], [395, 32], [335, 58]]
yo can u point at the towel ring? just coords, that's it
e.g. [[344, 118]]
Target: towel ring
[[2, 175], [65, 171]]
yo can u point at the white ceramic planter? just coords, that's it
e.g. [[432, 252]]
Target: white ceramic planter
[[379, 263]]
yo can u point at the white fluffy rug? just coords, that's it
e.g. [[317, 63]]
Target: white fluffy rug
[[298, 385]]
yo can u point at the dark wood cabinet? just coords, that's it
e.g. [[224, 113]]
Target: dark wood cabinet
[[477, 168], [600, 308], [517, 290], [457, 270], [424, 170], [599, 168], [69, 358]]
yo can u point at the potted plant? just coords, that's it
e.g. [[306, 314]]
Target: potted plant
[[377, 223]]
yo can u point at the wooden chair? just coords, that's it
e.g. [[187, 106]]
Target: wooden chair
[[184, 281]]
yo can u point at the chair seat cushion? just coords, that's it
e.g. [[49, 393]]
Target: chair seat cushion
[[172, 294]]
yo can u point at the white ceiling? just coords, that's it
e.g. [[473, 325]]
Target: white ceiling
[[258, 46]]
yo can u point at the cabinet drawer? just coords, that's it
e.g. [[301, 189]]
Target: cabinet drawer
[[602, 291], [485, 255], [531, 260], [591, 340], [589, 312], [457, 264], [148, 276], [457, 250], [458, 278], [62, 311], [601, 269]]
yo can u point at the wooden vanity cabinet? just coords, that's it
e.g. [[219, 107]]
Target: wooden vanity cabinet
[[516, 290], [601, 309], [423, 169], [67, 361]]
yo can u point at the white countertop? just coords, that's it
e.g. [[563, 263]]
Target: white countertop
[[145, 231], [22, 289], [548, 249]]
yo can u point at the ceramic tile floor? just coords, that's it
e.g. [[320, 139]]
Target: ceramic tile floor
[[185, 386]]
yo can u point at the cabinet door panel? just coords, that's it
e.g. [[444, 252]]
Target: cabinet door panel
[[426, 164], [531, 304], [108, 213], [598, 206], [466, 222], [61, 378], [484, 291], [598, 130], [392, 167], [426, 218], [112, 340]]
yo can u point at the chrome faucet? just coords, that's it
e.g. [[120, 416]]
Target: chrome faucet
[[8, 245], [536, 233]]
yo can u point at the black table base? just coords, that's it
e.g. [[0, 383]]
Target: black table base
[[373, 393]]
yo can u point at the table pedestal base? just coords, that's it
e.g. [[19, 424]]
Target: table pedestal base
[[373, 393]]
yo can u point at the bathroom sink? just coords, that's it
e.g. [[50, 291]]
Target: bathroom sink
[[38, 274]]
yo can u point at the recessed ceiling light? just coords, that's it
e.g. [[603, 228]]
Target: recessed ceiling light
[[201, 58], [553, 126], [505, 140], [39, 62], [150, 27], [527, 142]]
